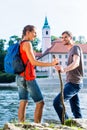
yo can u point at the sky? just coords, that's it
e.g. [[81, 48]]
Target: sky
[[62, 15]]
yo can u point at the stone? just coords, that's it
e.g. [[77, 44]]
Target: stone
[[34, 126], [79, 123], [10, 126], [82, 123]]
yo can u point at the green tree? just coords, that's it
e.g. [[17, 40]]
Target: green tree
[[2, 43], [53, 38], [35, 44], [13, 39], [2, 54]]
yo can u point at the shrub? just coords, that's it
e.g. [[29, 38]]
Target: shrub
[[6, 78]]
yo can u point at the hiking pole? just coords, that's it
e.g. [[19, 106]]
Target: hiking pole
[[62, 95]]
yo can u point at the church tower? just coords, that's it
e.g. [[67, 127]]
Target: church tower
[[46, 37]]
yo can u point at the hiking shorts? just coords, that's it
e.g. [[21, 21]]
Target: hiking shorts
[[28, 88]]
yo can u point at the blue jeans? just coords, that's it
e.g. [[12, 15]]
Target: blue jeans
[[70, 93], [26, 88]]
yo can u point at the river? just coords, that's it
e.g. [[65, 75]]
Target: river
[[9, 104]]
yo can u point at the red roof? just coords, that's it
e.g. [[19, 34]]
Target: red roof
[[84, 47], [58, 47]]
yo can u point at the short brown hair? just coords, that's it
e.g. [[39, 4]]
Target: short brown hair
[[68, 33]]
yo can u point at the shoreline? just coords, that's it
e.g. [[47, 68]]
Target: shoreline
[[42, 81], [13, 84]]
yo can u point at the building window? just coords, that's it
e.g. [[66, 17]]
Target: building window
[[85, 63], [84, 56], [66, 56], [85, 70], [46, 32], [53, 70], [60, 56], [65, 63], [60, 63]]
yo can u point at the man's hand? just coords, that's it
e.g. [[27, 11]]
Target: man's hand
[[59, 68]]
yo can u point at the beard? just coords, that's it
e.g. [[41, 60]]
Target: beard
[[67, 43]]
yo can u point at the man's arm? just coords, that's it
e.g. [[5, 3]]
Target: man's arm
[[72, 66]]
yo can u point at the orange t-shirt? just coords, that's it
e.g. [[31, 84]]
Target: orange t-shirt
[[29, 73]]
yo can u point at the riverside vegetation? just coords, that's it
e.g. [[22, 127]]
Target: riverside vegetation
[[6, 78]]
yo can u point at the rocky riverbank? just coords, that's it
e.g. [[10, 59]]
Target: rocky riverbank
[[75, 124]]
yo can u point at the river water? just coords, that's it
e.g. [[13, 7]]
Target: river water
[[9, 104]]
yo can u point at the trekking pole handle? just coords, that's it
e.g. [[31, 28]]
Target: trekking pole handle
[[54, 58], [56, 64]]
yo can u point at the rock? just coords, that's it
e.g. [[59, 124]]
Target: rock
[[35, 126], [78, 123], [82, 123], [10, 126]]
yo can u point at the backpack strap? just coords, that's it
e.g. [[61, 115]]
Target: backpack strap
[[19, 49], [26, 62], [24, 41]]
